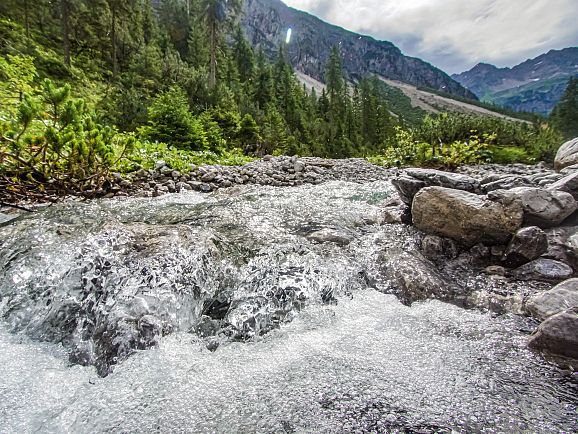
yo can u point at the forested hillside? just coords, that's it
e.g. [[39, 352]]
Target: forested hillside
[[91, 87]]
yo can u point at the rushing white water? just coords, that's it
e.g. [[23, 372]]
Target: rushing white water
[[306, 342]]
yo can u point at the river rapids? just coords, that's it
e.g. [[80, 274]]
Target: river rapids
[[253, 309]]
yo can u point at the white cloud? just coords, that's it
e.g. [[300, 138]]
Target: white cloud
[[457, 34]]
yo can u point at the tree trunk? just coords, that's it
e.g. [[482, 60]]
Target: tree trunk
[[113, 42], [27, 18], [213, 43], [65, 9]]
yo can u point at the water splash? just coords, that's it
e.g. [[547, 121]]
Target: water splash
[[147, 290]]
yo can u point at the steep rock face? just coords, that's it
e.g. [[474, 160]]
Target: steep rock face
[[535, 85], [266, 23]]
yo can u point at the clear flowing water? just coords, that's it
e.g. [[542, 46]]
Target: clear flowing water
[[250, 310]]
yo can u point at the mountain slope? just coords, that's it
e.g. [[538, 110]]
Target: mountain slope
[[266, 23], [535, 85]]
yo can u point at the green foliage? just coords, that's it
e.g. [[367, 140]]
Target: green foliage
[[54, 143], [407, 151], [249, 132], [510, 155], [17, 74], [565, 114], [447, 128], [170, 121], [147, 154], [401, 105], [185, 81]]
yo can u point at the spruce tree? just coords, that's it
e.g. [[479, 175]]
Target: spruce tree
[[565, 114]]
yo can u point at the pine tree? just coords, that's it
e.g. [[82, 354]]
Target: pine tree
[[244, 56], [338, 143], [218, 15], [263, 91], [565, 114], [249, 133]]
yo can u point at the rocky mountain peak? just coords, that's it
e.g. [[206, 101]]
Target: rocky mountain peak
[[266, 22]]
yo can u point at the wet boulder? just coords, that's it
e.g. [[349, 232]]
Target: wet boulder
[[558, 335], [548, 303], [7, 218], [396, 214], [438, 248], [465, 217], [544, 270], [526, 245], [543, 208], [414, 278], [407, 187], [563, 245], [567, 155], [413, 180]]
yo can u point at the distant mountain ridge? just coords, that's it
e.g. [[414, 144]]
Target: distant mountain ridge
[[266, 22], [535, 85]]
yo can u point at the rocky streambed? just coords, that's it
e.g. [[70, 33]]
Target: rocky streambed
[[312, 296]]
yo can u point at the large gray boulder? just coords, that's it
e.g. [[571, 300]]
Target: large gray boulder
[[548, 303], [543, 208], [526, 245], [465, 217], [569, 184], [558, 334], [567, 155], [411, 181]]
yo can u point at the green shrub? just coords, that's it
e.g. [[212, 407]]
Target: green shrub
[[171, 122], [54, 143], [407, 151], [147, 154], [510, 155]]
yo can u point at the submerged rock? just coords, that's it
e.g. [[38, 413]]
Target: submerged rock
[[558, 334], [436, 248], [415, 278], [7, 218], [548, 303], [465, 217], [329, 235]]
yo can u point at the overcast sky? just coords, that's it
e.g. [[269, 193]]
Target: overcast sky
[[455, 35]]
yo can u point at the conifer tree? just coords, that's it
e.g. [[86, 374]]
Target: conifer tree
[[565, 114], [218, 15], [244, 56]]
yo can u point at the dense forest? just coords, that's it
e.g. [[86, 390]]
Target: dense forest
[[90, 87]]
